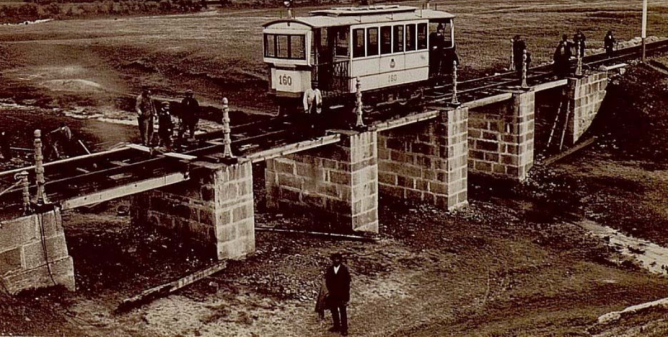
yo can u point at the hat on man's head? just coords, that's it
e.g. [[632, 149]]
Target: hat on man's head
[[166, 104], [189, 92], [336, 255]]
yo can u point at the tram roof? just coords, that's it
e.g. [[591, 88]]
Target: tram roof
[[350, 16]]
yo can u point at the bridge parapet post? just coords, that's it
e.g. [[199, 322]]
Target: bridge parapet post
[[340, 180], [39, 169], [214, 209]]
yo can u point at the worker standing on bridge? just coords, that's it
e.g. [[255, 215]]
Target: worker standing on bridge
[[190, 111], [519, 45], [165, 126], [579, 42], [145, 113], [562, 57], [609, 42], [436, 46], [313, 109], [58, 142]]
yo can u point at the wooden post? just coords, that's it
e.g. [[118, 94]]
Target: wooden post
[[644, 30], [227, 141], [455, 100], [39, 169], [578, 70], [358, 104], [525, 85], [23, 177]]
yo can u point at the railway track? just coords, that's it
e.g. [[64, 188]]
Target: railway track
[[82, 175]]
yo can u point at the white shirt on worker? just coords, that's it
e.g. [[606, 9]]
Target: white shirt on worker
[[336, 269], [312, 96]]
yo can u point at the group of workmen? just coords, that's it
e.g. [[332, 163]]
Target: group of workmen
[[563, 53], [186, 115]]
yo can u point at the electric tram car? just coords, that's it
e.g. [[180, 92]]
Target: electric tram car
[[385, 47]]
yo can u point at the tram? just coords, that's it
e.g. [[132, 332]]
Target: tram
[[386, 47]]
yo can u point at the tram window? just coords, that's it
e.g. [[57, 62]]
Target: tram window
[[269, 45], [282, 50], [398, 39], [386, 40], [297, 47], [358, 43], [422, 36], [342, 42], [410, 37], [372, 42]]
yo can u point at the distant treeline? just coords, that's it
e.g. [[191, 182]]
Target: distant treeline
[[61, 9]]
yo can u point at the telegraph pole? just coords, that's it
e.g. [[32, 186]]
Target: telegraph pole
[[644, 27]]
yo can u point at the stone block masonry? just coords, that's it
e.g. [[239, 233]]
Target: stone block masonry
[[427, 160], [586, 95], [33, 253], [214, 209], [340, 179], [501, 137]]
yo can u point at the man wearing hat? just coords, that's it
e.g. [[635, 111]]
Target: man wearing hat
[[165, 126], [189, 114], [313, 108], [145, 112], [337, 279]]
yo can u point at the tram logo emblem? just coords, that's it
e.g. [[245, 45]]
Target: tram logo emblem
[[392, 64]]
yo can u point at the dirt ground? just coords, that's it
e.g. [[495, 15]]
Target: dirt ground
[[515, 263]]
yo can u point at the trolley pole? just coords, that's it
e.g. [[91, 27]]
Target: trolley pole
[[39, 169], [578, 69], [455, 100], [644, 29], [25, 183], [525, 58], [227, 141], [358, 104]]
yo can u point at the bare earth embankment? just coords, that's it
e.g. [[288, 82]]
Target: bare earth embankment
[[514, 264]]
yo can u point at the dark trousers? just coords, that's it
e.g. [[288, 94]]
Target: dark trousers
[[609, 51], [340, 316], [188, 125], [145, 129]]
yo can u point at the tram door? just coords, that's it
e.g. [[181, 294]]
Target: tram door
[[332, 59]]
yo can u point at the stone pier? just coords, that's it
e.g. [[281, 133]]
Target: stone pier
[[33, 253], [586, 95], [501, 137], [340, 179], [427, 160], [214, 209]]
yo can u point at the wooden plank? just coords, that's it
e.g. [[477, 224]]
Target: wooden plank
[[65, 161], [488, 100], [550, 85], [614, 66], [179, 156], [292, 148], [139, 147], [553, 159], [166, 289], [409, 119], [323, 234], [125, 190]]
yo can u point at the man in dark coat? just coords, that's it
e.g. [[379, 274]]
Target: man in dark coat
[[562, 56], [519, 45], [189, 115], [579, 42], [436, 46], [337, 279], [165, 126], [609, 41]]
